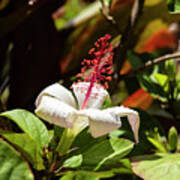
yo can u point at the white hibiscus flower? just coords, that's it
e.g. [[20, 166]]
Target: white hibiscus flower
[[58, 106]]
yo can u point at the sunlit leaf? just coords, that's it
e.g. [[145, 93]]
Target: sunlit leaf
[[173, 6], [157, 144], [159, 167], [106, 153], [12, 166], [151, 81], [171, 69], [107, 103], [30, 124], [116, 133], [153, 88], [124, 167], [162, 80], [28, 147], [76, 12], [73, 162], [173, 139], [87, 175]]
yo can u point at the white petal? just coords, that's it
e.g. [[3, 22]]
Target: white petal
[[133, 117], [55, 112], [96, 98], [101, 122], [59, 92]]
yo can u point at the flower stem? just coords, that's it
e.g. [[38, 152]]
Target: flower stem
[[66, 141], [69, 135]]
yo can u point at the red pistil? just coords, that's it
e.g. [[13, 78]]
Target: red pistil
[[100, 67]]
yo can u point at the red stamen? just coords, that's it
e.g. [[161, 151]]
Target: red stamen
[[100, 66]]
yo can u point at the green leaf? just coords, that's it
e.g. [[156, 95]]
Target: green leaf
[[173, 6], [138, 60], [117, 133], [156, 110], [162, 80], [157, 167], [124, 167], [148, 83], [147, 124], [84, 140], [73, 162], [87, 175], [77, 12], [30, 124], [157, 140], [171, 69], [157, 144], [28, 147], [68, 177], [80, 176], [12, 166], [106, 153], [90, 175], [173, 139], [135, 60], [153, 81], [107, 103]]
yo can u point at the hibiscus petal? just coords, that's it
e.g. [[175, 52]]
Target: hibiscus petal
[[133, 117], [59, 92], [55, 112], [96, 98], [101, 122]]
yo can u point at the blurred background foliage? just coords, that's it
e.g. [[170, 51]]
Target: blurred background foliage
[[44, 41]]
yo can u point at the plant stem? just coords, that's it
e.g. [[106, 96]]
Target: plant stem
[[66, 141], [70, 134], [151, 63]]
